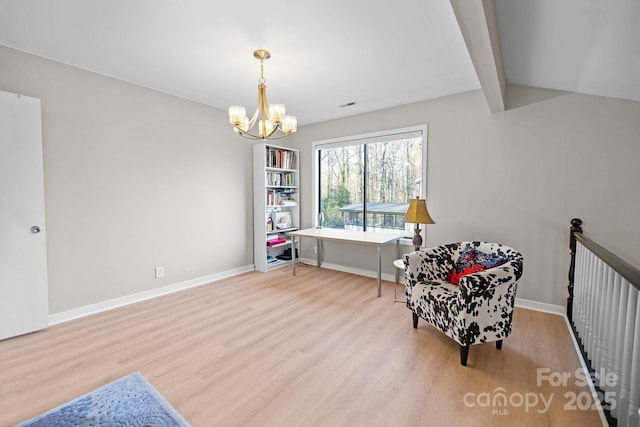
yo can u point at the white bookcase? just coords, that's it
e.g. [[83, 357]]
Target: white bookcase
[[275, 204]]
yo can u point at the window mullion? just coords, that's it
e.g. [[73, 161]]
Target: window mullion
[[364, 187], [319, 195]]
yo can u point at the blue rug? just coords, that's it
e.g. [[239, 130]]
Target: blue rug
[[129, 401]]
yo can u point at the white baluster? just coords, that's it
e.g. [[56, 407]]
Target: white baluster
[[601, 306], [579, 291], [585, 298], [591, 307], [607, 330], [626, 377], [633, 411], [619, 316]]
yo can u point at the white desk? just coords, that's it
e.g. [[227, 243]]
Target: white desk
[[349, 236]]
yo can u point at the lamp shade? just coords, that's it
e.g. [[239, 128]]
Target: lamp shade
[[418, 213]]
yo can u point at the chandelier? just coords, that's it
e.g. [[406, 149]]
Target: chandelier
[[272, 121]]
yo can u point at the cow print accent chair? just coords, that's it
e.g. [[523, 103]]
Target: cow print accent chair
[[477, 310]]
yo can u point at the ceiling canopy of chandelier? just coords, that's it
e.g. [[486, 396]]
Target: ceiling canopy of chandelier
[[271, 119]]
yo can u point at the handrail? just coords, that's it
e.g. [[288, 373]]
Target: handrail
[[622, 267], [626, 270]]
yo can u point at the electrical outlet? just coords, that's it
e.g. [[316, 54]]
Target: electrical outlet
[[159, 272]]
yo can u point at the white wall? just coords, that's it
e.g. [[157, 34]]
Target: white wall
[[134, 179], [516, 177]]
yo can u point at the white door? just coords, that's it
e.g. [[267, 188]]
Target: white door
[[24, 305]]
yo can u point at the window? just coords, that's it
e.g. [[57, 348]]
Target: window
[[365, 182]]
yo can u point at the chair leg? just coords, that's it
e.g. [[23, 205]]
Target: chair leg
[[499, 344], [415, 321], [464, 353]]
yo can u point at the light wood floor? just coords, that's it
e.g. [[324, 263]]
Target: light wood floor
[[319, 349]]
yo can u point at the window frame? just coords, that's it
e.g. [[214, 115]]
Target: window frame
[[361, 139]]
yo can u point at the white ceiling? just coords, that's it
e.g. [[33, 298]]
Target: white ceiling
[[328, 53], [585, 46]]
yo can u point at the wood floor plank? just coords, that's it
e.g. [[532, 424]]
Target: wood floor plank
[[318, 349]]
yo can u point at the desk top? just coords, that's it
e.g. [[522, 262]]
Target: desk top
[[365, 237]]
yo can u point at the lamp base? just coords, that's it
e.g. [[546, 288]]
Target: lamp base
[[417, 239]]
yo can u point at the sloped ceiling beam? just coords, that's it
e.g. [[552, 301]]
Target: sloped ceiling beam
[[479, 26]]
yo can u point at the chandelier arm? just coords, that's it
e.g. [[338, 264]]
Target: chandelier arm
[[254, 117], [249, 135], [268, 135], [279, 136], [264, 110], [263, 99]]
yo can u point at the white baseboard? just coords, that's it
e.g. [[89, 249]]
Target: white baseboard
[[540, 306], [345, 269], [87, 310], [592, 386]]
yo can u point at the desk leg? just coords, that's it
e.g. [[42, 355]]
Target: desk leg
[[293, 254], [379, 271], [397, 257]]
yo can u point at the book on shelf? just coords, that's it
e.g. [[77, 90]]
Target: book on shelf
[[281, 159], [281, 198], [276, 241], [281, 179]]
